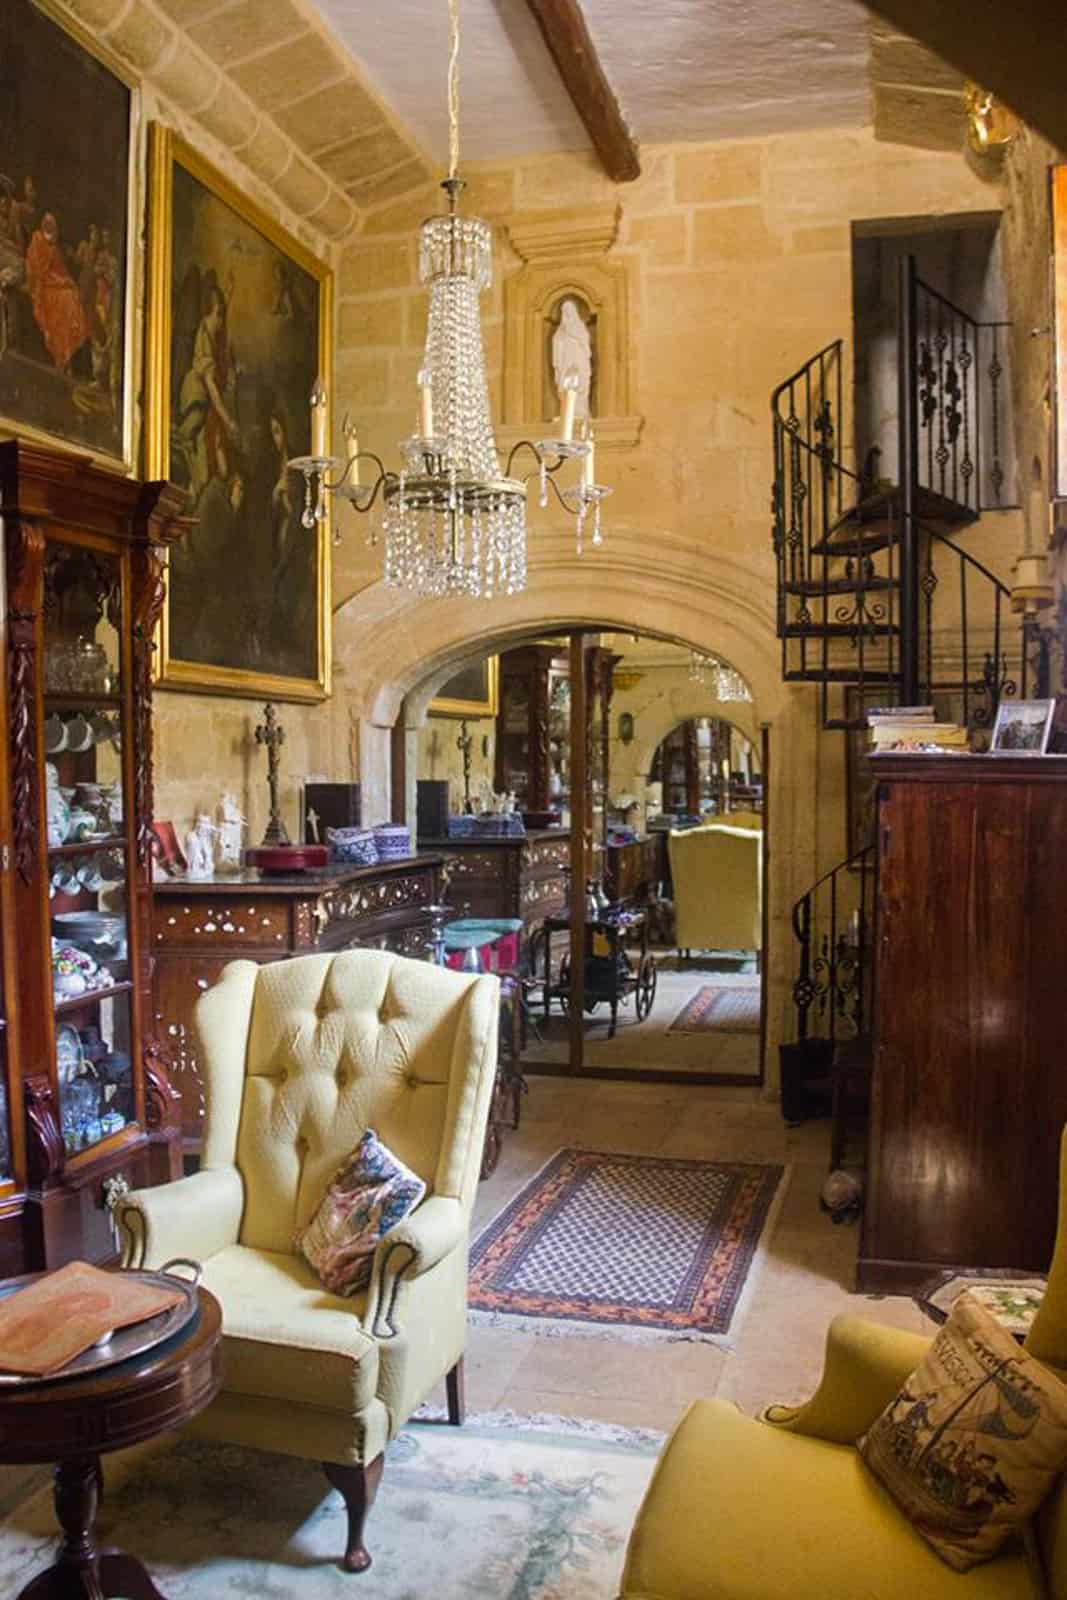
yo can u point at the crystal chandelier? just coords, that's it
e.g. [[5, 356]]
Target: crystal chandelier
[[454, 522], [725, 681]]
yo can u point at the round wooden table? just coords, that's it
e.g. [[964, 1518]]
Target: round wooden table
[[75, 1421]]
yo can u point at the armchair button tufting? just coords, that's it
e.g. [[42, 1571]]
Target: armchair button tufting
[[413, 1082]]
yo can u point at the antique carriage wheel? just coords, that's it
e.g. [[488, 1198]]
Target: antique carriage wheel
[[646, 987]]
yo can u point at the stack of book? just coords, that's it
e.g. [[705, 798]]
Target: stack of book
[[913, 729]]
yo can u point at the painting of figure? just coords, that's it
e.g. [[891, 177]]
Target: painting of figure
[[1059, 296], [234, 354], [63, 237]]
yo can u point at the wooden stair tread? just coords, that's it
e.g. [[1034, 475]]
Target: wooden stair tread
[[840, 630], [816, 587], [851, 675]]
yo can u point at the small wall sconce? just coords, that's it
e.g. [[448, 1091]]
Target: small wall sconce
[[990, 125], [626, 726]]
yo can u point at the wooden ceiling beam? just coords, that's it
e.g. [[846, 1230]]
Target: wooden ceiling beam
[[565, 33]]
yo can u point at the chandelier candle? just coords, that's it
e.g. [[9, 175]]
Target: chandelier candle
[[351, 439], [318, 420]]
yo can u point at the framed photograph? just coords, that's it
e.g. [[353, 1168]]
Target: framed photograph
[[66, 199], [471, 692], [1022, 727], [1059, 320], [239, 326]]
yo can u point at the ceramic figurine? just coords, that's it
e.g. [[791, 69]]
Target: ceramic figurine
[[58, 811], [200, 849], [231, 826]]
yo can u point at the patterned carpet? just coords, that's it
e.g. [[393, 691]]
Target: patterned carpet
[[522, 1507], [625, 1246], [712, 1009]]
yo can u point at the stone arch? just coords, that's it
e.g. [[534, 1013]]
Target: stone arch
[[388, 647], [703, 703]]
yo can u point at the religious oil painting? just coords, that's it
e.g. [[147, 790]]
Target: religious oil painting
[[1059, 298], [239, 330], [65, 134], [470, 692]]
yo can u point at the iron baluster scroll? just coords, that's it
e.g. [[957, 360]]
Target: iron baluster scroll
[[833, 924], [958, 371]]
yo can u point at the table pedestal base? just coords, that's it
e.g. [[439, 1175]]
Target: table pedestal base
[[81, 1571]]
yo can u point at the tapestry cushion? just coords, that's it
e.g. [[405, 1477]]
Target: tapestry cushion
[[975, 1439], [371, 1192]]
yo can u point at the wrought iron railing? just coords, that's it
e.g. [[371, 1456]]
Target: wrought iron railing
[[956, 365], [833, 925], [973, 651]]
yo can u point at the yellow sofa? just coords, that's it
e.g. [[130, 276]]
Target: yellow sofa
[[782, 1508], [300, 1057], [717, 873]]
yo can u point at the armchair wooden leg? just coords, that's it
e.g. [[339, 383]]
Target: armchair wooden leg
[[358, 1485], [457, 1401]]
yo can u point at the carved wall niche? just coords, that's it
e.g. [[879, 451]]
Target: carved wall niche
[[565, 255]]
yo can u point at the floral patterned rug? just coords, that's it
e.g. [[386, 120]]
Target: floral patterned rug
[[507, 1507], [727, 1008], [613, 1245]]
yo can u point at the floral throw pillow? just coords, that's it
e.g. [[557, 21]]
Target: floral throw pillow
[[370, 1192], [974, 1440]]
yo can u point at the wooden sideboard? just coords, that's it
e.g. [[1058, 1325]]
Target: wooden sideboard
[[968, 1095], [632, 871], [198, 927], [524, 877]]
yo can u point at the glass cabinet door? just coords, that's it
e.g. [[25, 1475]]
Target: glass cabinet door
[[87, 847]]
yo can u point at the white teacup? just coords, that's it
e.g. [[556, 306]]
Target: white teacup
[[55, 735], [79, 733], [90, 877]]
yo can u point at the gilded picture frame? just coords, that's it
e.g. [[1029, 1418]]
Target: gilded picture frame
[[239, 325], [1058, 213], [66, 229], [472, 692]]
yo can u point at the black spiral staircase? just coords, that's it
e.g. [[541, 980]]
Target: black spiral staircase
[[878, 601]]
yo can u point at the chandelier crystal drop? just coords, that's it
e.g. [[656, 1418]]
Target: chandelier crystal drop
[[454, 520], [725, 681]]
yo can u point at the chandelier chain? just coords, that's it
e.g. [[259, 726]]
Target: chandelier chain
[[453, 88]]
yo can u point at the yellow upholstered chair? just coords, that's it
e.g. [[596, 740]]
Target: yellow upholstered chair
[[717, 873], [300, 1057], [782, 1508]]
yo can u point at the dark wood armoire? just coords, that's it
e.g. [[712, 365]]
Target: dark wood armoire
[[88, 1102], [969, 1088]]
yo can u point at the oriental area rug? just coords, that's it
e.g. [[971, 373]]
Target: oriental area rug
[[713, 1009], [627, 1247], [527, 1508]]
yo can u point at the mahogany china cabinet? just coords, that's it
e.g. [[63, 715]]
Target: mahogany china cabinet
[[89, 1104], [533, 728], [968, 1093]]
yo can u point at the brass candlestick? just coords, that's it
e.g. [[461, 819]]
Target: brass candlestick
[[272, 734]]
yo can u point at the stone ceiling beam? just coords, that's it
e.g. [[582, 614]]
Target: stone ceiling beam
[[564, 31]]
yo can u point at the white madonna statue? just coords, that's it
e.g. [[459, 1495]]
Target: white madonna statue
[[572, 356]]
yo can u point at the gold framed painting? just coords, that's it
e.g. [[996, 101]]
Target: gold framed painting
[[239, 327], [471, 692], [1058, 196], [66, 219]]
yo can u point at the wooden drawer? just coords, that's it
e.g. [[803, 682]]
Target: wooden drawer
[[247, 922]]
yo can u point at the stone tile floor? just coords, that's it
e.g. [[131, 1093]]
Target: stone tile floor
[[803, 1282]]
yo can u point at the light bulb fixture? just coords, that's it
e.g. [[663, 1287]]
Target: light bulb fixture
[[454, 522]]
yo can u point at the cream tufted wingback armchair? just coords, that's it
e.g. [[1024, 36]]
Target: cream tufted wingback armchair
[[299, 1058]]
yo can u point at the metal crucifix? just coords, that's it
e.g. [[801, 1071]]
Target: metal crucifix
[[272, 734]]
